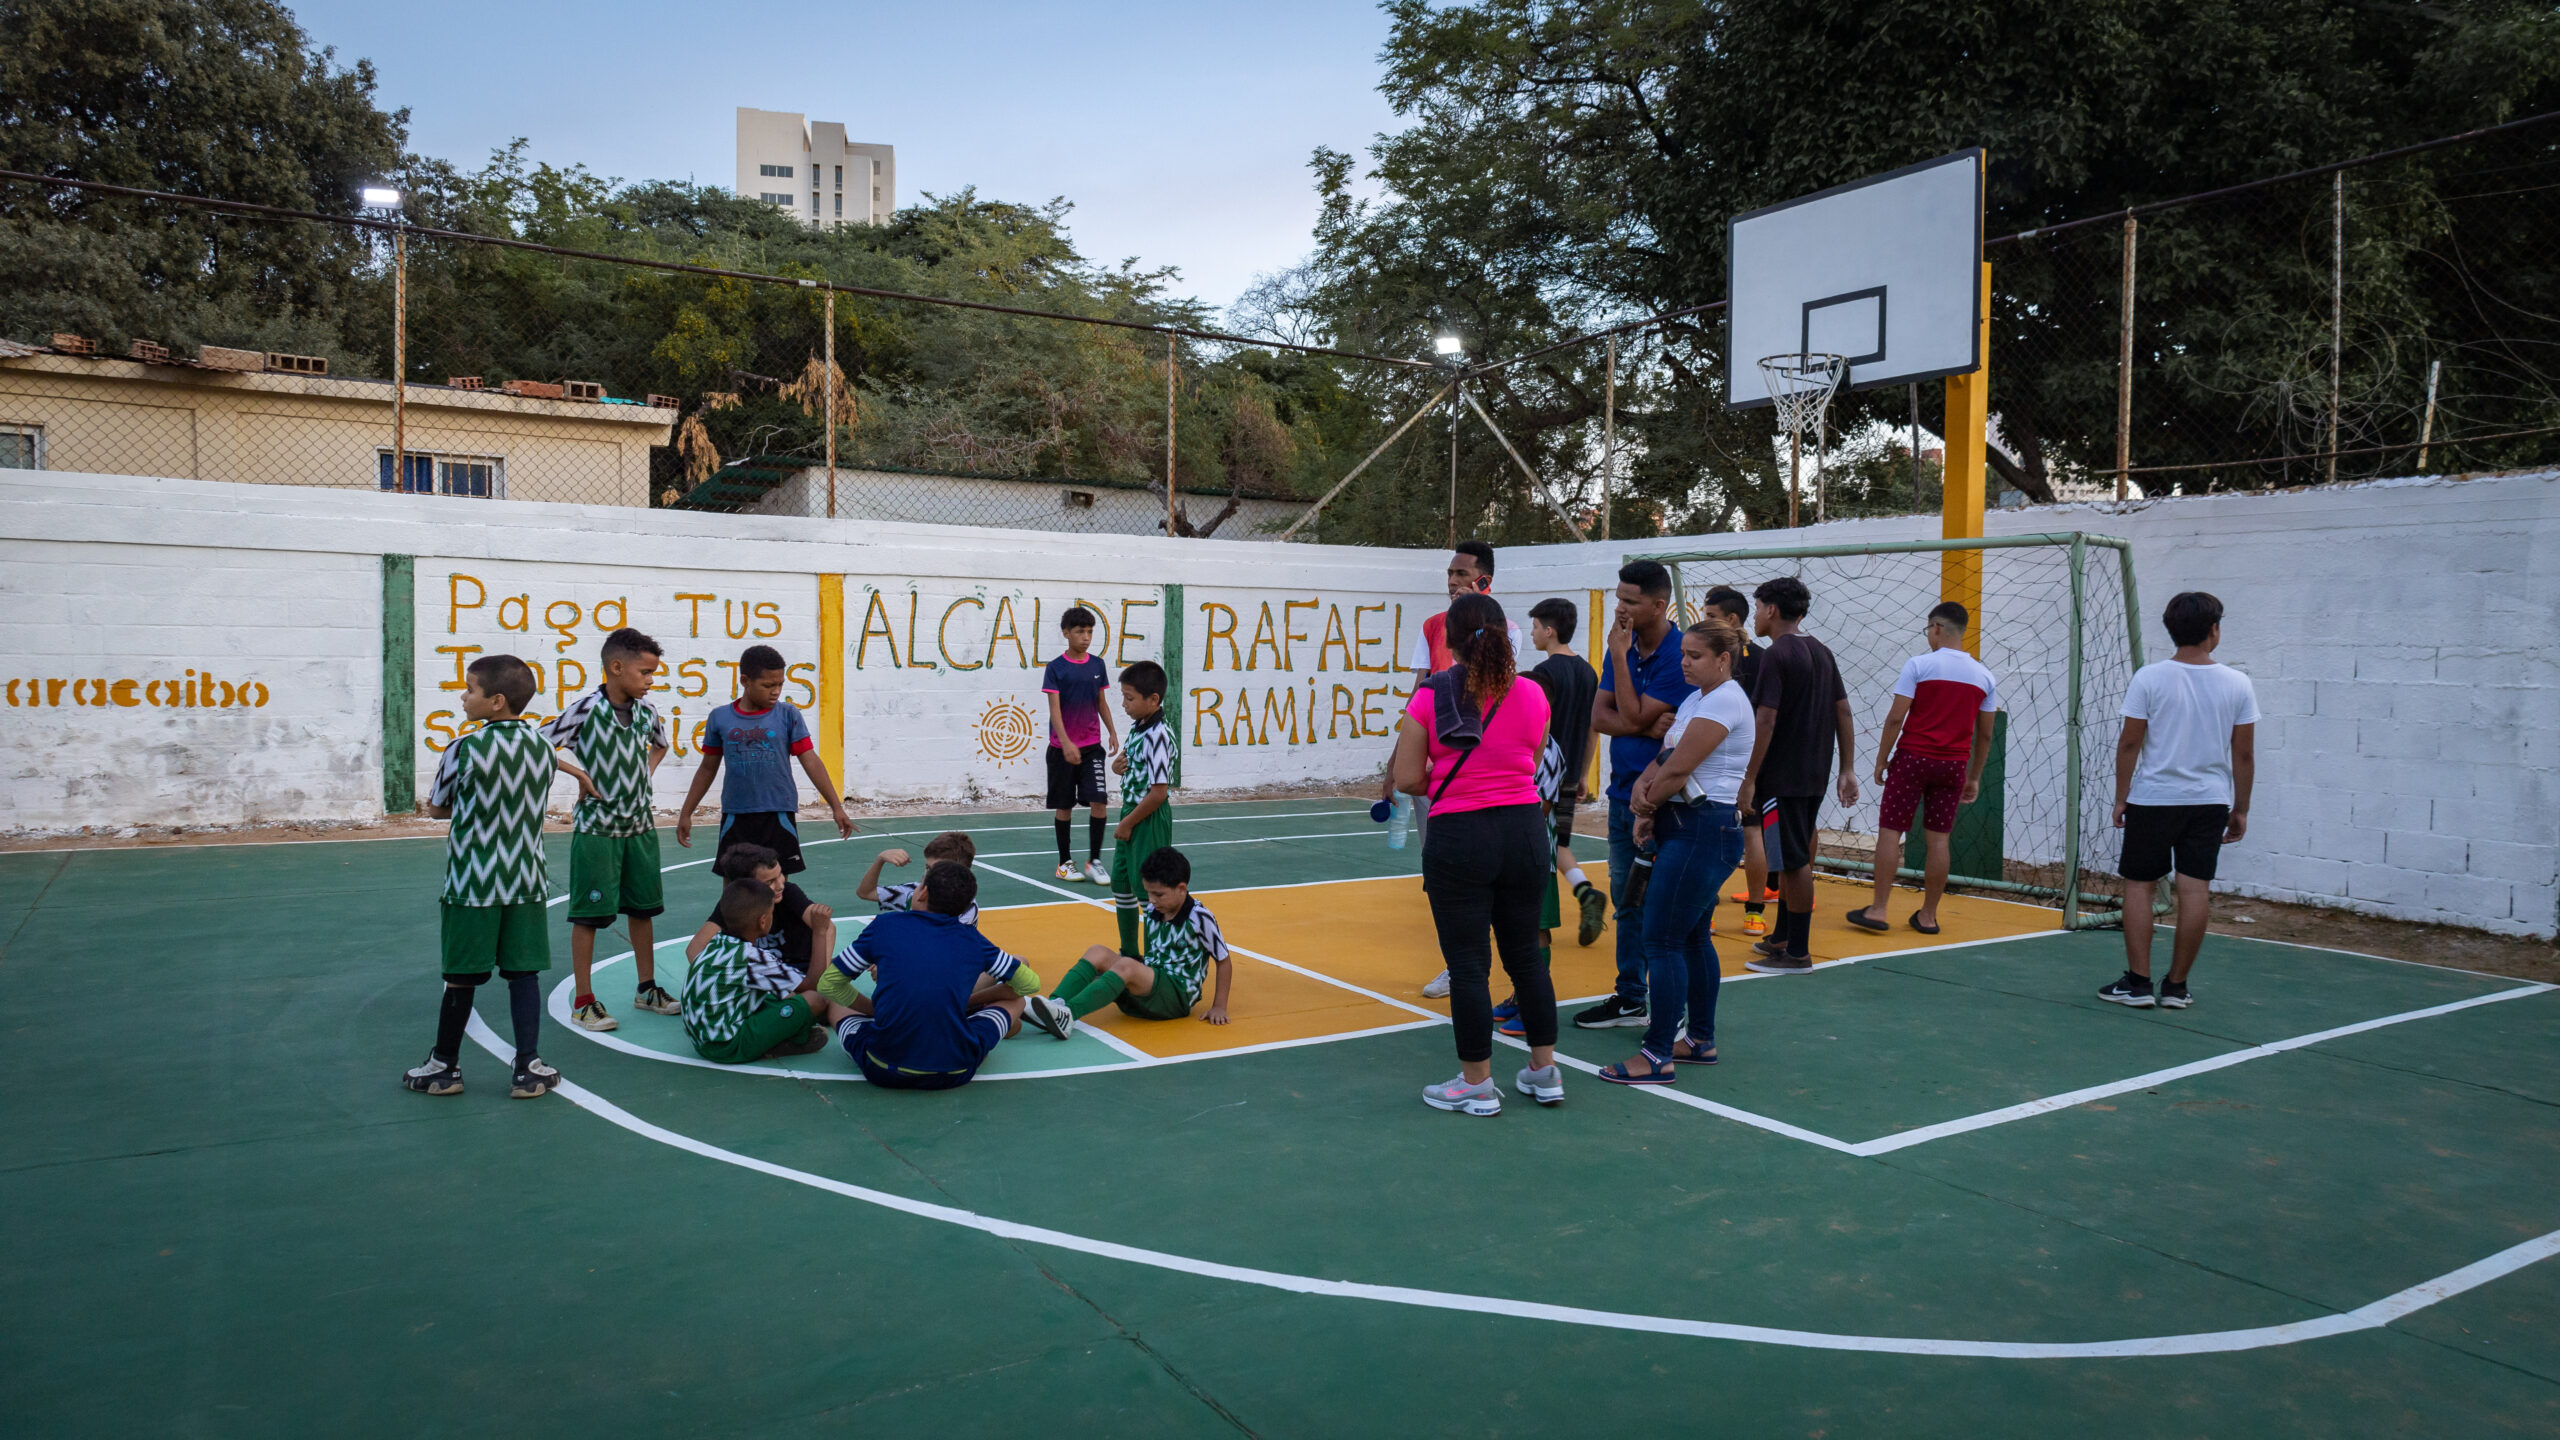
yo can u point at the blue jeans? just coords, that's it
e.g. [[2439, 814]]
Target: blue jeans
[[1696, 848], [1628, 918]]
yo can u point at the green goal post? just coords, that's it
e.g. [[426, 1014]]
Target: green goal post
[[2058, 624]]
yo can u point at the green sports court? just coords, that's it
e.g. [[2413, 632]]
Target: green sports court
[[1929, 1191]]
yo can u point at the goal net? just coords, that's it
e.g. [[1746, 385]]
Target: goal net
[[2052, 621]]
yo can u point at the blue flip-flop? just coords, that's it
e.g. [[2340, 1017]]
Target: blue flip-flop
[[1616, 1074]]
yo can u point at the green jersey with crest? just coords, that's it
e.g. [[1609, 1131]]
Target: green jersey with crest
[[615, 753], [495, 780]]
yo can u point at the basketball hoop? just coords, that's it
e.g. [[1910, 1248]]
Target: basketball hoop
[[1801, 386]]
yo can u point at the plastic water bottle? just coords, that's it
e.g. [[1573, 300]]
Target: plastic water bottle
[[1400, 823]]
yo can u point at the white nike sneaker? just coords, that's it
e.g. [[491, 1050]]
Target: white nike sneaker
[[1438, 989], [1094, 872], [1067, 871]]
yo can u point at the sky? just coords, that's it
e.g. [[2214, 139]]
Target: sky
[[1180, 132]]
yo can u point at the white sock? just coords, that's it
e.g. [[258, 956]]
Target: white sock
[[1575, 876]]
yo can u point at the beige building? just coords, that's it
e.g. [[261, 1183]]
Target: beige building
[[811, 171], [177, 419]]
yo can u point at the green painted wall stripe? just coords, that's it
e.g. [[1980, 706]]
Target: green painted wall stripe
[[399, 684], [1173, 674]]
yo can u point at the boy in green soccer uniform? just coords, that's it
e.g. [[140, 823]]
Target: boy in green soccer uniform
[[619, 737], [1146, 812], [492, 784], [1183, 941], [738, 1002]]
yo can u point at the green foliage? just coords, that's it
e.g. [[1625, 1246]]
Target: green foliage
[[1573, 162]]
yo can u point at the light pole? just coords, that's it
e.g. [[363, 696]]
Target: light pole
[[1452, 353], [385, 200]]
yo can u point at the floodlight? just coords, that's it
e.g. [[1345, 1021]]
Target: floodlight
[[382, 196], [1449, 345]]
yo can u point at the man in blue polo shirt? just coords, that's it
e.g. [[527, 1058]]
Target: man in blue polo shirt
[[1640, 686]]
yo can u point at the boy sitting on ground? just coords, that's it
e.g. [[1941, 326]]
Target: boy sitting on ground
[[804, 931], [942, 995], [1182, 941], [952, 845], [738, 997]]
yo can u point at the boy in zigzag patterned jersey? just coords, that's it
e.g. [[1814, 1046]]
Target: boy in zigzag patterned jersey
[[739, 1002], [619, 737], [1146, 812], [492, 784], [1183, 941]]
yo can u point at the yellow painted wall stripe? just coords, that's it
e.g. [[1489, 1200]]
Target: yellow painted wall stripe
[[831, 717]]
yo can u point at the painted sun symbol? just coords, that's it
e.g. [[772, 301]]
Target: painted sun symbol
[[1004, 731]]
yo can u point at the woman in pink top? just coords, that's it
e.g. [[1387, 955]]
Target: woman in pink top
[[1470, 741]]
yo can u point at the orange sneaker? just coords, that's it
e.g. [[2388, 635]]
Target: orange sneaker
[[1753, 923]]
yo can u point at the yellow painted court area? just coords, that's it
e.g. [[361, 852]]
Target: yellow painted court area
[[1377, 935]]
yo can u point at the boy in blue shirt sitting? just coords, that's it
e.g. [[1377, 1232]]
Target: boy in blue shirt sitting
[[935, 1011]]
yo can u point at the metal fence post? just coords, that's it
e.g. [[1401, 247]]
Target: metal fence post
[[1609, 438], [400, 362], [2071, 743], [2337, 305], [831, 415], [2124, 370], [1172, 349]]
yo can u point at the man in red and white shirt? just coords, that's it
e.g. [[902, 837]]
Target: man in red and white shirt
[[1942, 709]]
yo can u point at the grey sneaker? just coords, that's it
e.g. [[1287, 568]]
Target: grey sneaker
[[1544, 1086], [1484, 1098], [1051, 1016], [653, 997], [1438, 988], [1780, 964], [591, 1016]]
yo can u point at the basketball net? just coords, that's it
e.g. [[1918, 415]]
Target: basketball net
[[1801, 386]]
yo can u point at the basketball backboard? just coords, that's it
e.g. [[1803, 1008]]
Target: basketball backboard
[[1886, 271]]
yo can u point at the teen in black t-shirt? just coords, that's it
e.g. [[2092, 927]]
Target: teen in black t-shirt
[[1571, 685], [1804, 718], [804, 932]]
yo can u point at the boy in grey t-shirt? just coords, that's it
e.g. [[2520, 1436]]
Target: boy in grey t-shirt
[[2185, 763]]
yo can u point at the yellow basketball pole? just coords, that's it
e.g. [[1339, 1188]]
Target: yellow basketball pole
[[1968, 429], [831, 660]]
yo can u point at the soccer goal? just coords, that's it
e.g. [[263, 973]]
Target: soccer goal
[[2056, 622]]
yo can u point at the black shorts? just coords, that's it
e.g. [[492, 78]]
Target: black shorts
[[776, 830], [1077, 784], [2158, 836], [1786, 834]]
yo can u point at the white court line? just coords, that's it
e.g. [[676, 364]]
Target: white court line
[[1197, 844], [2374, 1316], [2064, 1101]]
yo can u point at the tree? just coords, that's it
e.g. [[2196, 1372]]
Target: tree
[[1573, 163]]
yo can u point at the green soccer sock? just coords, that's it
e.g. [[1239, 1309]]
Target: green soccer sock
[[1074, 980], [1098, 991]]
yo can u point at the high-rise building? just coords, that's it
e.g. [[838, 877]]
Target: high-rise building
[[811, 171]]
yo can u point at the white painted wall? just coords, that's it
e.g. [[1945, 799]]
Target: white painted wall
[[2401, 635], [2404, 639]]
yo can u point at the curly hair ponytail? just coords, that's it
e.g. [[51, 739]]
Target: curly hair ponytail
[[1480, 637]]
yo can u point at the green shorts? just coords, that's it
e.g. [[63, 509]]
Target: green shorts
[[1168, 1001], [1129, 893], [767, 1025], [481, 938], [1551, 909], [613, 875]]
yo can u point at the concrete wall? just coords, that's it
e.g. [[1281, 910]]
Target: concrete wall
[[2401, 636], [122, 417], [2404, 639]]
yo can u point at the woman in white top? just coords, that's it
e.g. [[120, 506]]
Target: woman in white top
[[1684, 804]]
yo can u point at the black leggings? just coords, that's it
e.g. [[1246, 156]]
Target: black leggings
[[1482, 870]]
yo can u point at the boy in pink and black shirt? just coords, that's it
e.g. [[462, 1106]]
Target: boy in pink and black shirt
[[1942, 716]]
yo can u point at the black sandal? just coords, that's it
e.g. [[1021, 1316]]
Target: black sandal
[[1914, 923], [1864, 921]]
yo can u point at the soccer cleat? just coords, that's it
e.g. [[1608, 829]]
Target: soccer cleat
[[1437, 988], [436, 1077], [1480, 1098], [1780, 964], [1754, 923], [591, 1016], [1544, 1086], [1595, 914], [1068, 872], [534, 1080], [2173, 995], [1611, 1013], [1052, 1017], [1094, 872], [2130, 989], [653, 997]]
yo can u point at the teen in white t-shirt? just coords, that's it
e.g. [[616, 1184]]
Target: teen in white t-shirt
[[2185, 764], [1718, 778]]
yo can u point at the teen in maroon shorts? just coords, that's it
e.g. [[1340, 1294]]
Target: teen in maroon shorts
[[1942, 709]]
